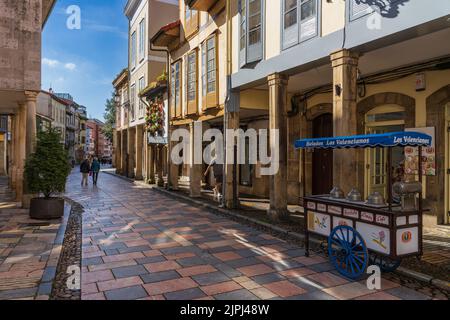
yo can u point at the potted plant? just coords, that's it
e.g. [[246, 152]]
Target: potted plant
[[46, 173]]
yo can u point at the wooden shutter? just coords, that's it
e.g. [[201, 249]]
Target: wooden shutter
[[290, 23]]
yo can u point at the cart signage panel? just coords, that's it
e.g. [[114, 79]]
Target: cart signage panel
[[414, 139], [377, 238], [338, 221], [319, 223], [407, 241], [366, 216]]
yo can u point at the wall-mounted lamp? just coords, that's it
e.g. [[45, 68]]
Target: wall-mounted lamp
[[338, 90]]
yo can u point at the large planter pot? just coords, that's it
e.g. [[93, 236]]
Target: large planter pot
[[42, 208]]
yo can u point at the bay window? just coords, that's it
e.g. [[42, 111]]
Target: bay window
[[191, 82], [209, 73], [175, 109], [251, 15], [191, 21], [300, 21]]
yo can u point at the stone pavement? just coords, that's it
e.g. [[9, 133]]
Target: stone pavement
[[29, 252], [139, 244]]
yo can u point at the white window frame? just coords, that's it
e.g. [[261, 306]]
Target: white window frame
[[133, 50], [142, 34], [255, 52], [177, 87], [132, 101], [293, 35], [141, 87]]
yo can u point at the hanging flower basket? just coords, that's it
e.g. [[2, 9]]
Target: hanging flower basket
[[155, 116]]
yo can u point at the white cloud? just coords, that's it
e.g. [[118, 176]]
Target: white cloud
[[70, 66], [50, 62]]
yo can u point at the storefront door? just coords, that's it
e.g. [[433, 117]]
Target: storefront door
[[382, 120], [322, 159]]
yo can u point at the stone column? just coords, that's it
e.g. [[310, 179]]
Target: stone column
[[195, 169], [131, 151], [278, 123], [173, 169], [233, 123], [139, 151], [13, 152], [160, 165], [123, 153], [117, 150], [31, 98], [345, 73], [151, 164], [21, 151]]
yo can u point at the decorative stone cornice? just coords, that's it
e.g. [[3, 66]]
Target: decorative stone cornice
[[277, 79], [31, 96], [344, 56]]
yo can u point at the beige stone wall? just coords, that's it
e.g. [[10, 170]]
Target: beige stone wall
[[20, 45]]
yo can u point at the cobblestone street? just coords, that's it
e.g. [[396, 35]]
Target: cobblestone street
[[139, 244]]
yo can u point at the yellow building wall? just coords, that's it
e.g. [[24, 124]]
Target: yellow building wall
[[434, 81], [273, 29], [333, 16], [254, 99]]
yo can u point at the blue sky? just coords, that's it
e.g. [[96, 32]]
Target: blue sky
[[84, 62]]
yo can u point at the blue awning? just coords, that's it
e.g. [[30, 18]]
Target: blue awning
[[392, 139]]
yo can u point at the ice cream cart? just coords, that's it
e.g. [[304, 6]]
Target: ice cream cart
[[373, 231]]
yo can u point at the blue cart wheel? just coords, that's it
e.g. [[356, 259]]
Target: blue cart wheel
[[385, 263], [348, 252]]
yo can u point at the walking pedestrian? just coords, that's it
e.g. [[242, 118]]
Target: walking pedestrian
[[218, 175], [85, 168], [95, 169]]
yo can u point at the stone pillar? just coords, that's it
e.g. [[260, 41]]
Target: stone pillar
[[173, 169], [146, 155], [31, 97], [13, 152], [195, 169], [117, 150], [123, 154], [139, 151], [278, 122], [233, 123], [151, 164], [160, 165], [345, 73], [21, 151], [131, 151]]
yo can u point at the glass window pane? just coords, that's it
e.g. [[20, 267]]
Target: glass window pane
[[386, 116], [254, 36], [289, 4], [308, 9], [290, 18]]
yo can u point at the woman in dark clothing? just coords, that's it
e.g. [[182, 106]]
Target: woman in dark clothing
[[85, 168]]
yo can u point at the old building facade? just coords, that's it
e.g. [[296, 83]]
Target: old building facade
[[341, 68], [313, 68], [145, 66], [20, 79]]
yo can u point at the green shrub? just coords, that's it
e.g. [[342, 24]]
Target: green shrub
[[47, 169]]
